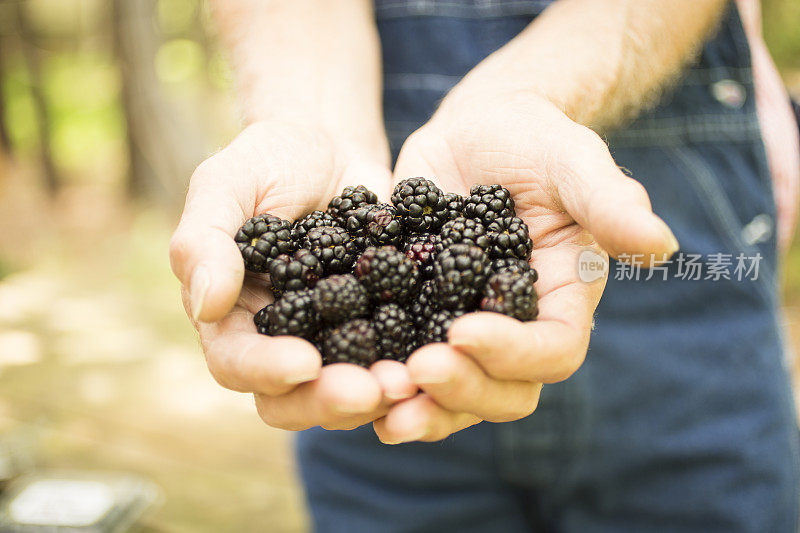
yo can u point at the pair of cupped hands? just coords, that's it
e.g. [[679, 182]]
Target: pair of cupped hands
[[567, 188]]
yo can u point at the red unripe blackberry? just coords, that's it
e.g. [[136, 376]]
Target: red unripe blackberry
[[375, 225], [340, 298], [422, 248], [263, 238], [350, 199], [387, 274], [352, 342], [334, 248], [421, 203], [510, 239], [488, 202], [512, 294], [460, 272], [295, 272]]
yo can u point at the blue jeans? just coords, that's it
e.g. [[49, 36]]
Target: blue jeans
[[681, 418]]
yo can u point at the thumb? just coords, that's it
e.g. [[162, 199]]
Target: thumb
[[203, 254], [614, 208]]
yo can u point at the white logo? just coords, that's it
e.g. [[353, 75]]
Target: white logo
[[591, 266]]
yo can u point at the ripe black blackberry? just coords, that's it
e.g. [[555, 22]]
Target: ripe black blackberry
[[261, 320], [387, 274], [422, 205], [435, 329], [488, 202], [295, 272], [460, 272], [511, 263], [292, 315], [455, 206], [394, 332], [340, 298], [375, 225], [512, 294], [352, 342], [350, 199], [263, 238], [334, 248], [422, 248], [465, 231], [315, 219], [510, 238], [422, 308]]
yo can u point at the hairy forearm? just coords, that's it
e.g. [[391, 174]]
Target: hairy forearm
[[310, 62], [600, 61]]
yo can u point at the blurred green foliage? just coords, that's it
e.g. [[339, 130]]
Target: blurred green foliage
[[782, 32]]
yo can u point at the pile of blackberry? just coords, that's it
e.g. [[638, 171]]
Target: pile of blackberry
[[364, 280]]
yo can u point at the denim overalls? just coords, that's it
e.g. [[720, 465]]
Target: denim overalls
[[681, 418]]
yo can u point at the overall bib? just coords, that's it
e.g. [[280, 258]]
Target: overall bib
[[682, 417]]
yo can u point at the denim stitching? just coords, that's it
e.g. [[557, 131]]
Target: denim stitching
[[677, 131], [409, 81]]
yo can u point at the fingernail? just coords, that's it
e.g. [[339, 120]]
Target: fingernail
[[198, 289]]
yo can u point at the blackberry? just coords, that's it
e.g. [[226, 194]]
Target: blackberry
[[293, 315], [513, 264], [422, 308], [421, 203], [387, 274], [375, 225], [315, 219], [488, 202], [352, 342], [460, 272], [350, 199], [422, 247], [510, 239], [435, 329], [465, 231], [340, 298], [455, 206], [261, 320], [512, 294], [394, 332], [263, 238], [334, 248], [295, 272]]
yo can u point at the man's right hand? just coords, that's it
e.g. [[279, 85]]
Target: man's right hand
[[286, 171]]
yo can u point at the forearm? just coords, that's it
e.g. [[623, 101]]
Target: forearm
[[601, 62], [310, 62]]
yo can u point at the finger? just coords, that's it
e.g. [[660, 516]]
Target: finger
[[458, 384], [418, 150], [242, 360], [549, 349], [600, 197], [342, 393], [203, 254], [394, 380], [373, 176], [420, 418]]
